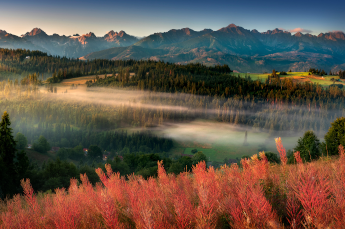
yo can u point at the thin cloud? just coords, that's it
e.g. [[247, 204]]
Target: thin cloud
[[296, 30]]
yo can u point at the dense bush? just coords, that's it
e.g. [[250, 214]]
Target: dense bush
[[309, 146], [21, 141], [41, 145]]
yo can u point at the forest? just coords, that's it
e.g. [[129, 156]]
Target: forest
[[20, 63]]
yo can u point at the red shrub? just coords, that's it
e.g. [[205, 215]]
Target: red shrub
[[257, 195]]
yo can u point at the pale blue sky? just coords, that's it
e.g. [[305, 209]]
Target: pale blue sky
[[142, 18]]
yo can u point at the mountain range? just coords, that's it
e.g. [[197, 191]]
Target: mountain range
[[243, 50], [69, 46]]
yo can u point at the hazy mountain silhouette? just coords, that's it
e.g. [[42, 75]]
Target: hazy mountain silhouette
[[71, 46], [241, 49]]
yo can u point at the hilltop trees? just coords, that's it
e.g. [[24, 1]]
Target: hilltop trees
[[342, 74], [317, 72]]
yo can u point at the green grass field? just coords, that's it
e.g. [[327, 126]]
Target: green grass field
[[219, 141], [298, 76], [221, 150], [211, 154], [231, 146]]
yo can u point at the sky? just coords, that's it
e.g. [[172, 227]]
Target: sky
[[142, 18]]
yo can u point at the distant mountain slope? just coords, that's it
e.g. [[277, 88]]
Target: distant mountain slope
[[72, 46], [242, 49], [125, 53], [14, 42], [171, 37]]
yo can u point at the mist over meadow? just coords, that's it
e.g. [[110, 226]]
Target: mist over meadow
[[201, 124]]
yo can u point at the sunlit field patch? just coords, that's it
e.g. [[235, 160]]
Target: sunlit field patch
[[299, 77]]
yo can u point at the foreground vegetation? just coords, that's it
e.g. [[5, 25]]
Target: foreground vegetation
[[255, 195]]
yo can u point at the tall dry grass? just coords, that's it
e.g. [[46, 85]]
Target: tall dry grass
[[255, 195]]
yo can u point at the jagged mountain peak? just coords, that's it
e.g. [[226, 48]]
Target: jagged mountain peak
[[112, 36], [122, 33], [90, 34], [232, 28], [111, 33], [298, 34], [276, 31], [35, 32], [187, 30], [334, 35], [232, 25]]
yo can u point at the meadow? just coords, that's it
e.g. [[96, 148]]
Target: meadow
[[219, 141], [299, 77]]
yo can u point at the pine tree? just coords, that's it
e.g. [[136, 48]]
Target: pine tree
[[7, 155]]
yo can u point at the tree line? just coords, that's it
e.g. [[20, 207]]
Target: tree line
[[21, 62]]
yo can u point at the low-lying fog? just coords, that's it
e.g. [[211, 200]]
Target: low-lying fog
[[225, 139], [207, 135]]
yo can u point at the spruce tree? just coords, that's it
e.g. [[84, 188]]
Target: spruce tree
[[7, 154]]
